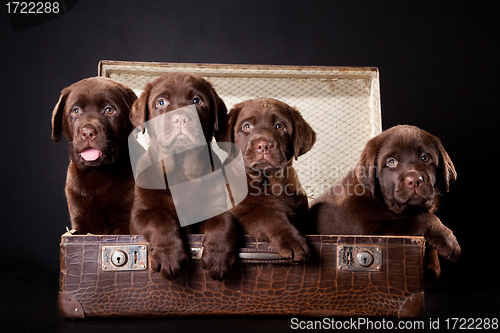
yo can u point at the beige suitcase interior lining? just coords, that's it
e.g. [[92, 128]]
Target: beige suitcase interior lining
[[342, 104]]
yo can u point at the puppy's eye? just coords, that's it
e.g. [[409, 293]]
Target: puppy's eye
[[247, 127], [391, 162], [280, 126], [425, 158], [108, 110], [161, 103], [76, 112], [197, 100]]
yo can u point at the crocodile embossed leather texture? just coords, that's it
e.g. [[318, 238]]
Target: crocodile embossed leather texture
[[315, 288]]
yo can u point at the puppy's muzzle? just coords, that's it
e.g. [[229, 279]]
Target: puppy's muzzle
[[414, 180], [180, 120], [261, 150], [88, 132], [262, 147]]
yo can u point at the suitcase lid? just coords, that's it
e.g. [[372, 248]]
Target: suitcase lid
[[342, 104]]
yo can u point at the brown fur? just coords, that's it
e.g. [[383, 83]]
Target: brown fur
[[94, 113], [394, 190], [276, 207], [154, 214]]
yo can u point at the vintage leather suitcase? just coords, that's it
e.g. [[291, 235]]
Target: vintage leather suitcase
[[347, 276]]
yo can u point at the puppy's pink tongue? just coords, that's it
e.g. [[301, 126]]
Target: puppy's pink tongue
[[90, 154]]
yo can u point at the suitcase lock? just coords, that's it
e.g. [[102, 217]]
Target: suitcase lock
[[124, 257], [119, 258], [359, 258], [365, 258]]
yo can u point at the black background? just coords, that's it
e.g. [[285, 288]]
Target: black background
[[439, 70]]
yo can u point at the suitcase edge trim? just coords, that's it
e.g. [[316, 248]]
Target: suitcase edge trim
[[413, 306], [70, 307]]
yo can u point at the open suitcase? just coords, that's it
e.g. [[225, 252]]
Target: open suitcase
[[346, 276]]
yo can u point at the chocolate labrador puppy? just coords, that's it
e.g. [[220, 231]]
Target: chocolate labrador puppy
[[172, 108], [394, 190], [93, 115], [270, 135]]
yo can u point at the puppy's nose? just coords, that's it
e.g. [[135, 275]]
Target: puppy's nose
[[263, 147], [414, 180], [88, 132], [180, 120]]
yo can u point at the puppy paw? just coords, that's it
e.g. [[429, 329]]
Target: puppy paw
[[168, 259], [452, 251], [291, 246], [447, 246], [218, 259]]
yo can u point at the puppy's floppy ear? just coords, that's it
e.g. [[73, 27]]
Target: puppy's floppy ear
[[58, 115], [128, 94], [225, 137], [139, 113], [366, 169], [220, 112], [304, 136], [446, 173]]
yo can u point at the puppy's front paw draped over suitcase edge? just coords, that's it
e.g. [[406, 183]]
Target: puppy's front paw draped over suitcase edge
[[218, 259], [445, 243], [168, 259], [291, 246], [219, 243]]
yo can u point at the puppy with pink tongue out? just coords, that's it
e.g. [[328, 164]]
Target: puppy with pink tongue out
[[93, 116]]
